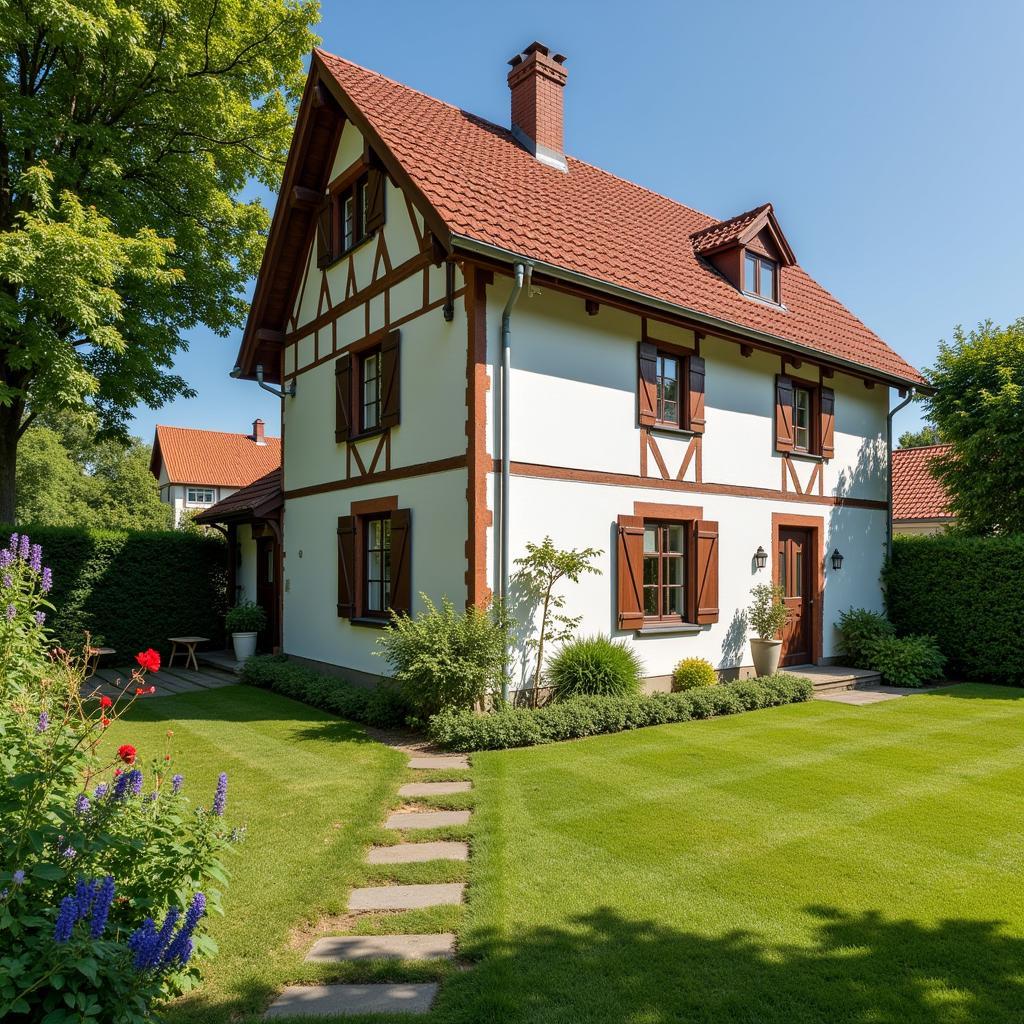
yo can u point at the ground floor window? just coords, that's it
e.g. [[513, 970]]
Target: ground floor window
[[377, 564], [664, 570], [374, 561]]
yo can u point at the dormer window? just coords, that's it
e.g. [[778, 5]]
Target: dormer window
[[761, 277]]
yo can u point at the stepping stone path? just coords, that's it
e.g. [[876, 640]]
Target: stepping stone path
[[352, 1000]]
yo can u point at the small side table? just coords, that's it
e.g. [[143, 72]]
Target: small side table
[[189, 652], [92, 659]]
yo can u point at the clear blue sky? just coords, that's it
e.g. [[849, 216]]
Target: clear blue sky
[[887, 134]]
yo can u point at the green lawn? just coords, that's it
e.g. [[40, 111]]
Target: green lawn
[[811, 863]]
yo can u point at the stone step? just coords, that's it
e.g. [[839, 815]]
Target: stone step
[[406, 897], [383, 947], [426, 819], [414, 853], [351, 1000], [439, 761], [434, 788]]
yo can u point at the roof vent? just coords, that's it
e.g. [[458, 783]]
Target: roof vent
[[537, 79]]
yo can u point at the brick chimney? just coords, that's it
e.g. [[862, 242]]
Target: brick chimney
[[257, 432], [537, 79]]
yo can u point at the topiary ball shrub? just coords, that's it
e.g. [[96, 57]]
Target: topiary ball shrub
[[693, 672], [594, 666]]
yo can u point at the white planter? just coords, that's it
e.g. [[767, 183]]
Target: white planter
[[245, 645], [766, 655]]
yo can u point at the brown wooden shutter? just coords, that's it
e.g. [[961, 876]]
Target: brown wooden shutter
[[375, 179], [783, 413], [828, 422], [695, 388], [347, 582], [324, 233], [401, 561], [647, 382], [631, 572], [704, 573], [343, 398], [391, 378]]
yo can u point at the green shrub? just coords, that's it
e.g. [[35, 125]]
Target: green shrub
[[859, 629], [131, 591], [382, 706], [245, 617], [693, 672], [906, 660], [595, 665], [577, 717], [767, 614], [967, 593], [445, 659]]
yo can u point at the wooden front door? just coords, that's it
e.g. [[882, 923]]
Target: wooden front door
[[266, 590], [795, 576]]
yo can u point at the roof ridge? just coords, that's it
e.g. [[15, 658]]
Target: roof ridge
[[922, 448], [220, 433]]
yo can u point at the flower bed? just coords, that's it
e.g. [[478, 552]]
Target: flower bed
[[589, 716]]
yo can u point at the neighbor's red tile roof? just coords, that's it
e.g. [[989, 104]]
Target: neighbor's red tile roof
[[486, 187], [916, 494], [260, 497], [213, 457]]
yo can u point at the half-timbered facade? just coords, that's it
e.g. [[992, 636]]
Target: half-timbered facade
[[447, 303]]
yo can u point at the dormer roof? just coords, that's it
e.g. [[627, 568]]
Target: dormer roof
[[741, 230]]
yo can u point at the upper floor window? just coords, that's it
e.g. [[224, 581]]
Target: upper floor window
[[761, 276], [351, 212], [804, 417], [671, 388], [369, 373], [367, 395], [199, 496], [353, 206], [802, 434], [667, 411]]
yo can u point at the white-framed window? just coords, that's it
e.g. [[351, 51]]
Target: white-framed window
[[199, 496]]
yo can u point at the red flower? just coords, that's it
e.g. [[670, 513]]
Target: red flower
[[105, 702], [104, 721], [139, 691], [127, 753], [152, 689], [149, 660]]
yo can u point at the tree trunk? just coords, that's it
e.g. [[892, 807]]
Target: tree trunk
[[540, 648], [10, 424]]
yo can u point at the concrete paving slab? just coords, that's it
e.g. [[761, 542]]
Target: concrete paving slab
[[435, 788], [383, 947], [415, 853], [439, 761], [426, 819], [859, 697], [351, 1000], [406, 897]]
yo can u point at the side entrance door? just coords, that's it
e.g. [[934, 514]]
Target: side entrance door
[[794, 562], [266, 590]]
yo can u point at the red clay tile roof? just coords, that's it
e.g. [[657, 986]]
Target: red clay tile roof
[[212, 456], [488, 188], [916, 494], [726, 231], [260, 497]]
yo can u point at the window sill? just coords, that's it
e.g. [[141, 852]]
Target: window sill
[[662, 629], [665, 428], [370, 622], [808, 456], [347, 252], [363, 435]]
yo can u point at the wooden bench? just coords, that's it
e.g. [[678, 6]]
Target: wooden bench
[[92, 659], [189, 653]]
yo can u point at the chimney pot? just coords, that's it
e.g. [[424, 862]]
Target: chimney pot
[[257, 432], [537, 81]]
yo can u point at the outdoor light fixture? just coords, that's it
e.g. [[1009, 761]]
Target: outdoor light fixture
[[837, 560], [760, 557]]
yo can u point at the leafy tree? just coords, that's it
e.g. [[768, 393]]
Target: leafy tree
[[540, 569], [128, 129], [927, 435], [978, 407]]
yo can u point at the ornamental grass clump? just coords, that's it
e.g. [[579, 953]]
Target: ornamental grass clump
[[95, 847], [594, 666]]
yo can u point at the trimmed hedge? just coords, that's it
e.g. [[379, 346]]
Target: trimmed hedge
[[967, 593], [588, 716], [382, 706], [132, 590]]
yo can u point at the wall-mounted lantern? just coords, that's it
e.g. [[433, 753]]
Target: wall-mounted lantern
[[760, 557], [837, 560]]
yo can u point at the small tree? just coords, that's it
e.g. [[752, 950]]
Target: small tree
[[540, 570], [927, 435], [767, 614]]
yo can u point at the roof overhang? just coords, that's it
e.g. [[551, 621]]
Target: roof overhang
[[473, 247]]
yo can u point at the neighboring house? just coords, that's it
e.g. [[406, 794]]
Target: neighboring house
[[919, 501], [197, 468], [681, 393]]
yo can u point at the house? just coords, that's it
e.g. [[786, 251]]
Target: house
[[919, 501], [197, 468], [480, 340]]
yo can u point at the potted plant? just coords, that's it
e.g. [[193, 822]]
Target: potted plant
[[767, 615], [243, 622]]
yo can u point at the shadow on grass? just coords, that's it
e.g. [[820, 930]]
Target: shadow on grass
[[856, 968], [979, 691]]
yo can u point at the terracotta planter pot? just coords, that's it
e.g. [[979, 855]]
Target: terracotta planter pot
[[766, 654]]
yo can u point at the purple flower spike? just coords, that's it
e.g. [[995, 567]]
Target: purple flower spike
[[47, 580], [6, 557], [8, 582], [66, 918], [44, 722], [40, 618], [11, 613], [101, 791], [18, 878], [177, 781], [101, 907], [35, 559], [13, 545], [220, 798], [82, 805], [23, 547]]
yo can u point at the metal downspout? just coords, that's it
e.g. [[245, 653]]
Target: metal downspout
[[522, 276], [888, 503]]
